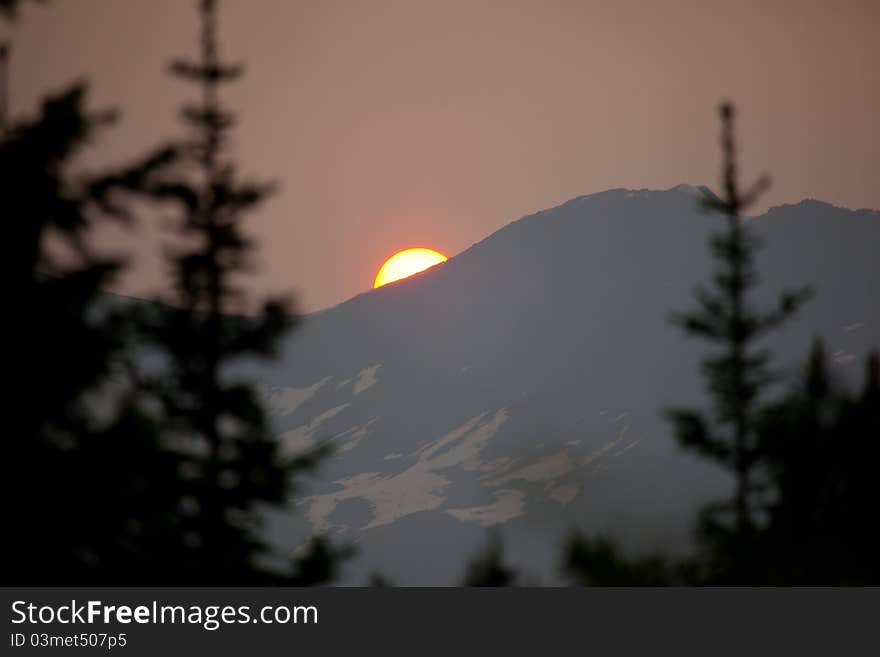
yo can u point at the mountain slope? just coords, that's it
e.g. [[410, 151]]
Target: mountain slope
[[521, 384]]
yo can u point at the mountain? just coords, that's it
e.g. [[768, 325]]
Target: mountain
[[521, 385]]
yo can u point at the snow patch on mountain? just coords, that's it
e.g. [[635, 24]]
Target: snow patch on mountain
[[419, 487], [281, 400], [508, 505], [304, 437], [366, 378], [356, 435], [547, 468]]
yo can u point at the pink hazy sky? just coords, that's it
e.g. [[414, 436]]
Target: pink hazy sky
[[390, 124]]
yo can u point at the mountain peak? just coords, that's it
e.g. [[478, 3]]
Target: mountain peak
[[524, 383], [645, 192]]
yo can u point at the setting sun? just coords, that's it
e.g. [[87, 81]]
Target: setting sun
[[406, 263]]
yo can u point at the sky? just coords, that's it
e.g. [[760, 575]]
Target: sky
[[390, 124]]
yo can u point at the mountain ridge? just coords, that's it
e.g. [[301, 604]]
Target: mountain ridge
[[693, 191], [521, 384]]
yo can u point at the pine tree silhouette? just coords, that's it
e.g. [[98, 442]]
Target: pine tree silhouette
[[231, 464], [599, 561], [737, 375], [319, 563], [66, 350], [819, 444], [488, 567], [739, 372], [805, 496]]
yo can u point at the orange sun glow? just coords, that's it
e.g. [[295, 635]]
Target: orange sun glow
[[406, 263]]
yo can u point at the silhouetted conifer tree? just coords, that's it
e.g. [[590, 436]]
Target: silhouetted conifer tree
[[319, 563], [488, 567], [76, 512], [599, 562], [806, 493], [819, 445], [736, 376], [726, 316], [230, 462]]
